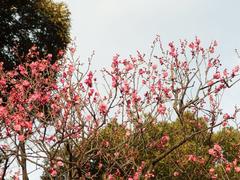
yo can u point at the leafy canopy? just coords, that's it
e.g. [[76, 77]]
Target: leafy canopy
[[25, 23]]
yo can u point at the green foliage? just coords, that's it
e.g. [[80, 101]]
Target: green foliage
[[229, 138], [121, 154], [25, 23]]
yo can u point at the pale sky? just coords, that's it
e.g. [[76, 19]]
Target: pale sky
[[124, 26]]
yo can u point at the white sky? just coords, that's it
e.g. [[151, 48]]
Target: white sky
[[124, 26]]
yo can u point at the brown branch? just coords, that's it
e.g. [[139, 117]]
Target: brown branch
[[156, 160]]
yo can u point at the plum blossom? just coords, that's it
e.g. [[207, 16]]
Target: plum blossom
[[211, 152], [217, 75], [154, 66], [217, 148], [17, 127], [192, 158], [235, 70], [176, 173], [53, 172], [60, 53], [165, 74], [3, 82], [162, 109], [88, 81], [226, 116], [210, 83], [21, 138], [237, 169], [102, 108], [60, 163], [129, 66], [211, 171]]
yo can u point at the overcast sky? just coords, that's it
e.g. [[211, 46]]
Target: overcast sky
[[124, 26]]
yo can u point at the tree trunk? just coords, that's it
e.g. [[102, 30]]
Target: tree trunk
[[23, 162]]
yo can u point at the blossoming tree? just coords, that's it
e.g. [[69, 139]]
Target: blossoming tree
[[154, 117]]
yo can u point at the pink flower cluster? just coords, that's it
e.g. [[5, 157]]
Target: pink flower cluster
[[216, 152]]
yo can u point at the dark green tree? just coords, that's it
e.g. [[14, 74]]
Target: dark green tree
[[24, 23]]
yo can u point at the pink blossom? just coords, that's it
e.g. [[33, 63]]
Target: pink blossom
[[33, 67], [115, 61], [60, 163], [228, 168], [173, 51], [192, 158], [154, 66], [225, 73], [88, 118], [211, 171], [91, 91], [185, 66], [16, 177], [211, 49], [191, 45], [25, 83], [235, 70], [135, 98], [161, 109], [28, 124], [70, 69], [217, 75], [114, 82], [176, 173], [210, 64], [102, 108], [72, 50], [126, 87], [42, 66], [128, 66], [210, 83], [237, 169], [40, 114], [165, 74], [235, 161], [197, 41], [53, 172], [49, 56], [88, 81], [141, 71], [214, 176], [224, 123], [3, 111], [21, 137], [22, 70], [226, 116], [110, 177], [136, 176], [34, 97], [217, 148], [17, 127], [128, 133], [60, 53], [211, 152], [3, 82], [165, 139], [76, 99], [140, 121]]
